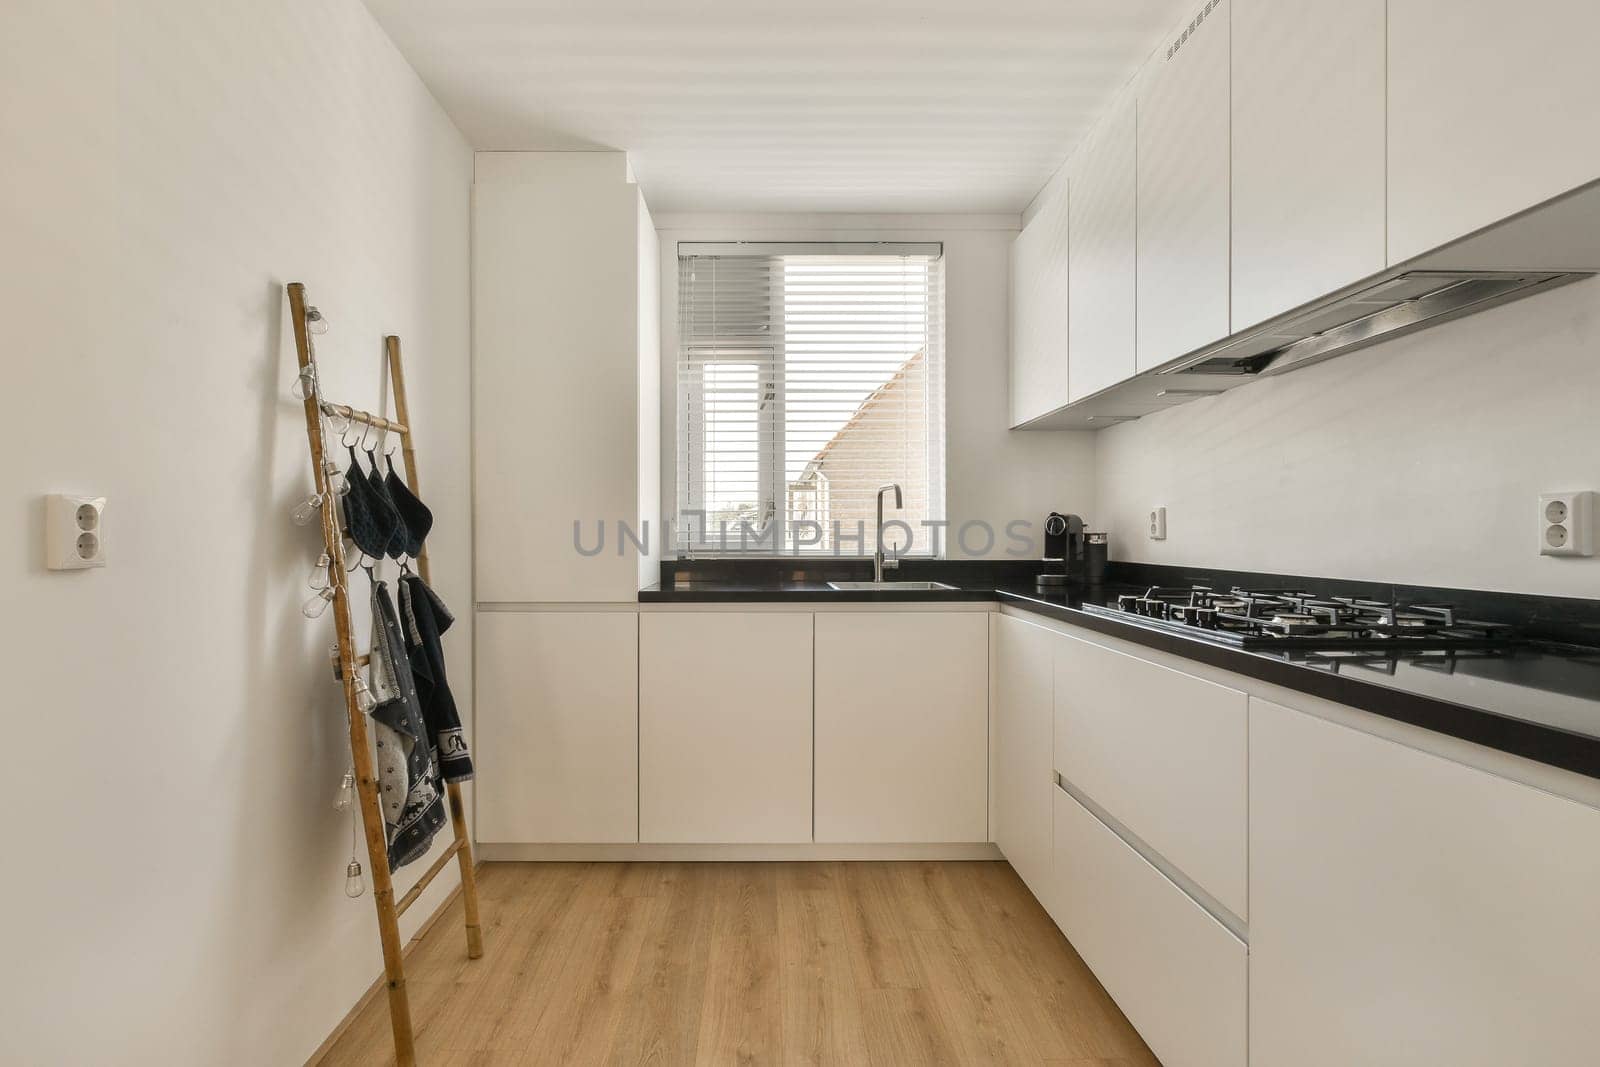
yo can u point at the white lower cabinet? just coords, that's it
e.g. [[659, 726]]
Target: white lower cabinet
[[1024, 665], [1406, 909], [724, 727], [1178, 974], [557, 742], [1164, 753], [902, 734]]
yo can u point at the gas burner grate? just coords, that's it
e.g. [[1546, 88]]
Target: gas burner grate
[[1296, 619]]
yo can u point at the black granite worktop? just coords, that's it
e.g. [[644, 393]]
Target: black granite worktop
[[1539, 699]]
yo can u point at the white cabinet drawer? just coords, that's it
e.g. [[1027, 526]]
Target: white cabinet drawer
[[1165, 754], [1178, 974]]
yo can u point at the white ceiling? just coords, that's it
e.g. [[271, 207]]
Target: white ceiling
[[749, 105]]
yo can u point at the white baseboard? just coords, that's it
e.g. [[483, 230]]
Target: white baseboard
[[635, 853]]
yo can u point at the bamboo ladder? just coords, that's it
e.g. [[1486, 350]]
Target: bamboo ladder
[[389, 910]]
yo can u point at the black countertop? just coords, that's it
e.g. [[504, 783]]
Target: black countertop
[[1540, 699]]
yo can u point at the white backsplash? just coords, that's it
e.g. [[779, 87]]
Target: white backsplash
[[1419, 460]]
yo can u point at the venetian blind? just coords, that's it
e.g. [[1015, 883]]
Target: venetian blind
[[808, 376]]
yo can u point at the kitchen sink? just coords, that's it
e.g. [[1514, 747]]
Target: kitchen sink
[[889, 587]]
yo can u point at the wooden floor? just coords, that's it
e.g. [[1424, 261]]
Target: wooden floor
[[731, 963]]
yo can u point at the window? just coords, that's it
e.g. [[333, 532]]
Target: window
[[808, 376]]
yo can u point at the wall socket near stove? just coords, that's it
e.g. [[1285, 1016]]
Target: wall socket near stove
[[1158, 524], [1566, 524]]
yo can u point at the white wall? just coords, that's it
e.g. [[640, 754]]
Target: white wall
[[992, 474], [1419, 460], [175, 865]]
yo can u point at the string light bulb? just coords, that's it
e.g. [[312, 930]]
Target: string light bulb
[[354, 882], [315, 323], [347, 791], [302, 513], [317, 603]]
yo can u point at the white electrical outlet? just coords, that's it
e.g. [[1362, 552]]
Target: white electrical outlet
[[1158, 524], [74, 532], [1566, 524]]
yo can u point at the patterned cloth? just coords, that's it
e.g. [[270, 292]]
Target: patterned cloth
[[413, 810], [426, 619]]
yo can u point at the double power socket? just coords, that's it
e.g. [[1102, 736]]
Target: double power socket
[[1566, 524]]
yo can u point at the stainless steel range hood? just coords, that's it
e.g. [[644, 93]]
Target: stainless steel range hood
[[1408, 301], [1542, 248]]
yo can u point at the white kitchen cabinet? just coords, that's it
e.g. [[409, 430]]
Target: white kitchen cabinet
[[1182, 259], [1491, 111], [565, 302], [724, 727], [1178, 974], [557, 742], [1308, 151], [1024, 666], [1405, 909], [1101, 278], [1039, 310], [902, 727], [1164, 754]]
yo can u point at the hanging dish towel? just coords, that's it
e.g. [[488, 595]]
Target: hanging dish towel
[[370, 519], [413, 810], [426, 620], [415, 517]]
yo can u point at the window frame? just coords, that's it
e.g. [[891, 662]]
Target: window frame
[[771, 534]]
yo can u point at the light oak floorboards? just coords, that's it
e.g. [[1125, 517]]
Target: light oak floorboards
[[899, 964]]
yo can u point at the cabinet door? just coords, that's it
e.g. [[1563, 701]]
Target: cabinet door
[[1178, 974], [1024, 665], [1491, 111], [1307, 86], [1163, 753], [902, 727], [1407, 909], [1100, 257], [724, 727], [1183, 195], [557, 741], [1039, 307], [555, 382]]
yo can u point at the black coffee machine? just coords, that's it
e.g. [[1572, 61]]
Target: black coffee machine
[[1063, 551]]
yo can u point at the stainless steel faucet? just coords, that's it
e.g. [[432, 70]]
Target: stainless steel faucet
[[879, 564]]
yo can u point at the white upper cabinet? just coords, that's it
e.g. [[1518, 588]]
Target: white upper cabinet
[[1100, 270], [563, 362], [1308, 151], [1491, 110], [1039, 307], [1183, 191]]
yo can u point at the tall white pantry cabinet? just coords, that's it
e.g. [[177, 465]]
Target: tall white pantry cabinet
[[566, 368]]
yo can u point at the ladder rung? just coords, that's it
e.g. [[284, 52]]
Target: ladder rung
[[366, 417], [427, 876]]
